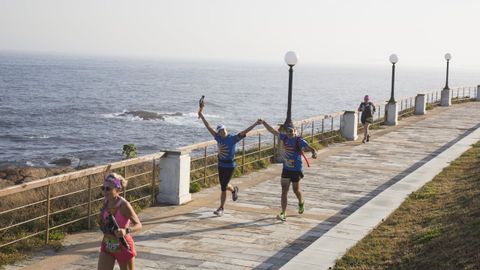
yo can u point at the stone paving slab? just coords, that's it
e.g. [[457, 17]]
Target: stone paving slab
[[343, 179]]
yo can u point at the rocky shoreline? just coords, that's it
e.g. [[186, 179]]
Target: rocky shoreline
[[18, 174], [14, 175]]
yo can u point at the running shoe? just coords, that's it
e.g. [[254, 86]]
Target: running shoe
[[301, 207], [282, 216], [219, 212], [368, 138], [235, 193]]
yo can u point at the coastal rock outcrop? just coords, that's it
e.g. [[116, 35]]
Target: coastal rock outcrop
[[12, 175], [146, 115]]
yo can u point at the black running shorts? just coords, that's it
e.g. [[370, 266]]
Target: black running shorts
[[294, 176]]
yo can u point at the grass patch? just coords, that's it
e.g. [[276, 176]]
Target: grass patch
[[437, 227]]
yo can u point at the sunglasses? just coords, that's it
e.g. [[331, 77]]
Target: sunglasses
[[103, 188]]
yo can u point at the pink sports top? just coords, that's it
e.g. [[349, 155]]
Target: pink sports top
[[123, 221]]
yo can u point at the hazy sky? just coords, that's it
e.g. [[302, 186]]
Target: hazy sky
[[349, 32]]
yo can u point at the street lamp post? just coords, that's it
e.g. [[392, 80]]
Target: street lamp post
[[393, 59], [447, 57], [446, 95], [391, 109], [291, 59]]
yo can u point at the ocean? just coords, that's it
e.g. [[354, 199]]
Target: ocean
[[86, 108]]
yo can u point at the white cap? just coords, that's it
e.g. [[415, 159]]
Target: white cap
[[220, 127]]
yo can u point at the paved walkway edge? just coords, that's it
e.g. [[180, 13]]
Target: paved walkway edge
[[322, 253]]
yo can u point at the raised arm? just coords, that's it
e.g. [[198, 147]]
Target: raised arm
[[244, 133], [270, 128], [207, 125]]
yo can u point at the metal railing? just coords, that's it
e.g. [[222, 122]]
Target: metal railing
[[461, 94], [39, 207], [259, 148]]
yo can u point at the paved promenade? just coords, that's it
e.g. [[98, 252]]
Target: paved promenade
[[248, 236]]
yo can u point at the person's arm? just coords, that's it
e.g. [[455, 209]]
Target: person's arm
[[244, 133], [207, 125], [305, 144], [270, 128], [360, 107], [311, 149], [374, 109], [128, 211]]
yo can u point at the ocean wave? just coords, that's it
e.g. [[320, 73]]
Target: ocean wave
[[173, 118], [23, 138]]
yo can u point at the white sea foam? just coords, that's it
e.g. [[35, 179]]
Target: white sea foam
[[38, 137]]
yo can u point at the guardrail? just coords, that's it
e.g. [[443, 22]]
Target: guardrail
[[460, 94], [259, 147], [42, 206]]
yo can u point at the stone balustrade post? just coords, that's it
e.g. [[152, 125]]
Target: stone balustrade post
[[174, 178], [350, 125], [420, 104]]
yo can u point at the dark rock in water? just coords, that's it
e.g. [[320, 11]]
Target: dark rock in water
[[146, 115], [61, 162]]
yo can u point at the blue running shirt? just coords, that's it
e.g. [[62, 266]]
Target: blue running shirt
[[292, 159], [226, 150]]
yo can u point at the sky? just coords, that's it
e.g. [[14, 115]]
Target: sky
[[329, 32]]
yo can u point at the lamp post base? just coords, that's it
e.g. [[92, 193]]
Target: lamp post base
[[446, 99], [391, 114]]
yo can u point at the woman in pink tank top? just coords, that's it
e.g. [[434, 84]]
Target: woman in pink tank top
[[114, 221]]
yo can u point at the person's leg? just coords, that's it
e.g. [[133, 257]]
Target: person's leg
[[367, 135], [298, 192], [225, 184], [130, 265], [105, 261], [365, 131], [223, 188], [285, 188]]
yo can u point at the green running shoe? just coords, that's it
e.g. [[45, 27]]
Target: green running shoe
[[301, 207], [282, 216]]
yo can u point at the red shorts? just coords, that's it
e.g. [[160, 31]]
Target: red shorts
[[112, 246]]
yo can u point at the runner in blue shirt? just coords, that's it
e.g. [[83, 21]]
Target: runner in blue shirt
[[226, 144], [291, 153]]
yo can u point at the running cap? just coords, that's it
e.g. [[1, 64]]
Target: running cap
[[115, 181], [220, 127]]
